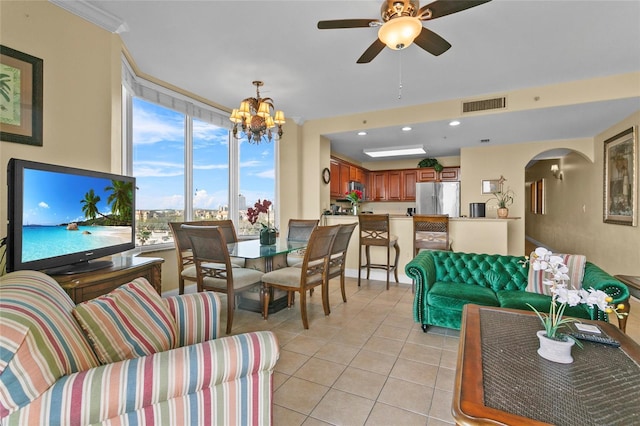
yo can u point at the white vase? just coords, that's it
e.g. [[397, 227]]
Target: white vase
[[355, 209], [555, 350]]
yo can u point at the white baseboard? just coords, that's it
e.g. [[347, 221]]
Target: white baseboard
[[377, 275]]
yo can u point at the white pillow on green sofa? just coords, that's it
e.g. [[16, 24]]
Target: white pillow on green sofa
[[574, 262]]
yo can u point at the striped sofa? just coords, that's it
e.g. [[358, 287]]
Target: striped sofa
[[50, 375]]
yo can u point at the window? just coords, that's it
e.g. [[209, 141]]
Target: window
[[187, 165], [210, 171], [257, 182]]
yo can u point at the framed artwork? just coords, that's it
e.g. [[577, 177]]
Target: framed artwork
[[20, 97], [621, 178], [540, 202], [536, 194], [490, 186], [533, 198]]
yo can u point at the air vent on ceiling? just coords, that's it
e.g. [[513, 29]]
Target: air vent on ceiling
[[484, 104]]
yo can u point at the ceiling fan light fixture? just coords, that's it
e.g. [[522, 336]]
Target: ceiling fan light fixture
[[399, 33]]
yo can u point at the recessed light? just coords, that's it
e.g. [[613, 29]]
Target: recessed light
[[362, 133], [406, 129], [454, 123]]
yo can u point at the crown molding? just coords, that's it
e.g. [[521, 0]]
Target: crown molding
[[93, 14]]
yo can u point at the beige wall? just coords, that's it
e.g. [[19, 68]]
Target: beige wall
[[81, 100], [574, 219]]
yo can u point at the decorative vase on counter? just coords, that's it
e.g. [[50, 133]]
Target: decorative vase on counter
[[554, 349], [267, 236], [503, 212], [355, 209]]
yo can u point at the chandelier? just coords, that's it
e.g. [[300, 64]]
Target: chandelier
[[254, 118]]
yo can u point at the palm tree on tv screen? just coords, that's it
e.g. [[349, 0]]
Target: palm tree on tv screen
[[90, 204], [120, 199]]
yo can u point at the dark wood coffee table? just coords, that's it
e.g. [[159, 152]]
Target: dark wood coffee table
[[501, 380]]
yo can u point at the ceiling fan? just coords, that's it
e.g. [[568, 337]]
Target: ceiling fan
[[401, 25]]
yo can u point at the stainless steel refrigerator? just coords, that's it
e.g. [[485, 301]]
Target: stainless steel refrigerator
[[438, 198]]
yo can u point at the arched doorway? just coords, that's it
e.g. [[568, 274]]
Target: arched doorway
[[561, 200]]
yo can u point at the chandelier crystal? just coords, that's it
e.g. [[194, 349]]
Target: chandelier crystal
[[254, 119]]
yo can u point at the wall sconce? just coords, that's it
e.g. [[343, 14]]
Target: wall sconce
[[555, 169]]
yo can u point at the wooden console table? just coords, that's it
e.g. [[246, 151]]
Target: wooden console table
[[89, 285], [501, 380]]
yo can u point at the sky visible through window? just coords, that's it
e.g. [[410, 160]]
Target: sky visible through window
[[158, 163]]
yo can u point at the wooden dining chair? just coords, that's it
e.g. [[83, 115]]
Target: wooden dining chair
[[311, 273], [374, 232], [213, 266], [338, 257], [299, 230], [184, 255]]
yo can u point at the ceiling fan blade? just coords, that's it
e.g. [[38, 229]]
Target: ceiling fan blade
[[441, 8], [345, 23], [432, 42], [371, 52]]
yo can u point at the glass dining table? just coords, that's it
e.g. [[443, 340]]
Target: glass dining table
[[252, 249], [266, 259]]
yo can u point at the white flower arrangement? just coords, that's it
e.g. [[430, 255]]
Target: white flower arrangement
[[543, 260]]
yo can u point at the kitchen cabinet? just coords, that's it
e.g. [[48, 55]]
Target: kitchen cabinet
[[357, 174], [340, 177], [401, 185], [385, 185], [378, 182], [450, 174], [427, 174], [334, 185], [409, 179], [394, 190], [345, 177]]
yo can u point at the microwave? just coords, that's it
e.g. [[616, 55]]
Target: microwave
[[357, 186]]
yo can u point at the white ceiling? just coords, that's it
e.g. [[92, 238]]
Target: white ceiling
[[215, 49]]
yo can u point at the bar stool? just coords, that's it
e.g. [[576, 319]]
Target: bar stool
[[430, 232], [374, 231]]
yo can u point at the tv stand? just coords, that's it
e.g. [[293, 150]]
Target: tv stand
[[79, 268], [123, 269]]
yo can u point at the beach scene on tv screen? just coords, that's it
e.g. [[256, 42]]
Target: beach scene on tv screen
[[66, 213]]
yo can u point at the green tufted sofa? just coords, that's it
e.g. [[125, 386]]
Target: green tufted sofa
[[446, 281]]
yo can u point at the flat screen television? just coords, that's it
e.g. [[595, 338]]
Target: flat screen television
[[62, 219]]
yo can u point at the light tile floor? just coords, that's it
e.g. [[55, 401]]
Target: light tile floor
[[367, 363]]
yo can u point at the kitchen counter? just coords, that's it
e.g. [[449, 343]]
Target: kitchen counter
[[468, 234]]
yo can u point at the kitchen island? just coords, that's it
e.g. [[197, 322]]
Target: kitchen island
[[470, 235]]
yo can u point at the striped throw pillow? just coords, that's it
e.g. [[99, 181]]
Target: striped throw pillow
[[130, 322], [575, 263]]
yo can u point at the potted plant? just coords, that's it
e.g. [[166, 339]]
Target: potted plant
[[268, 232], [428, 162], [504, 200], [554, 345]]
